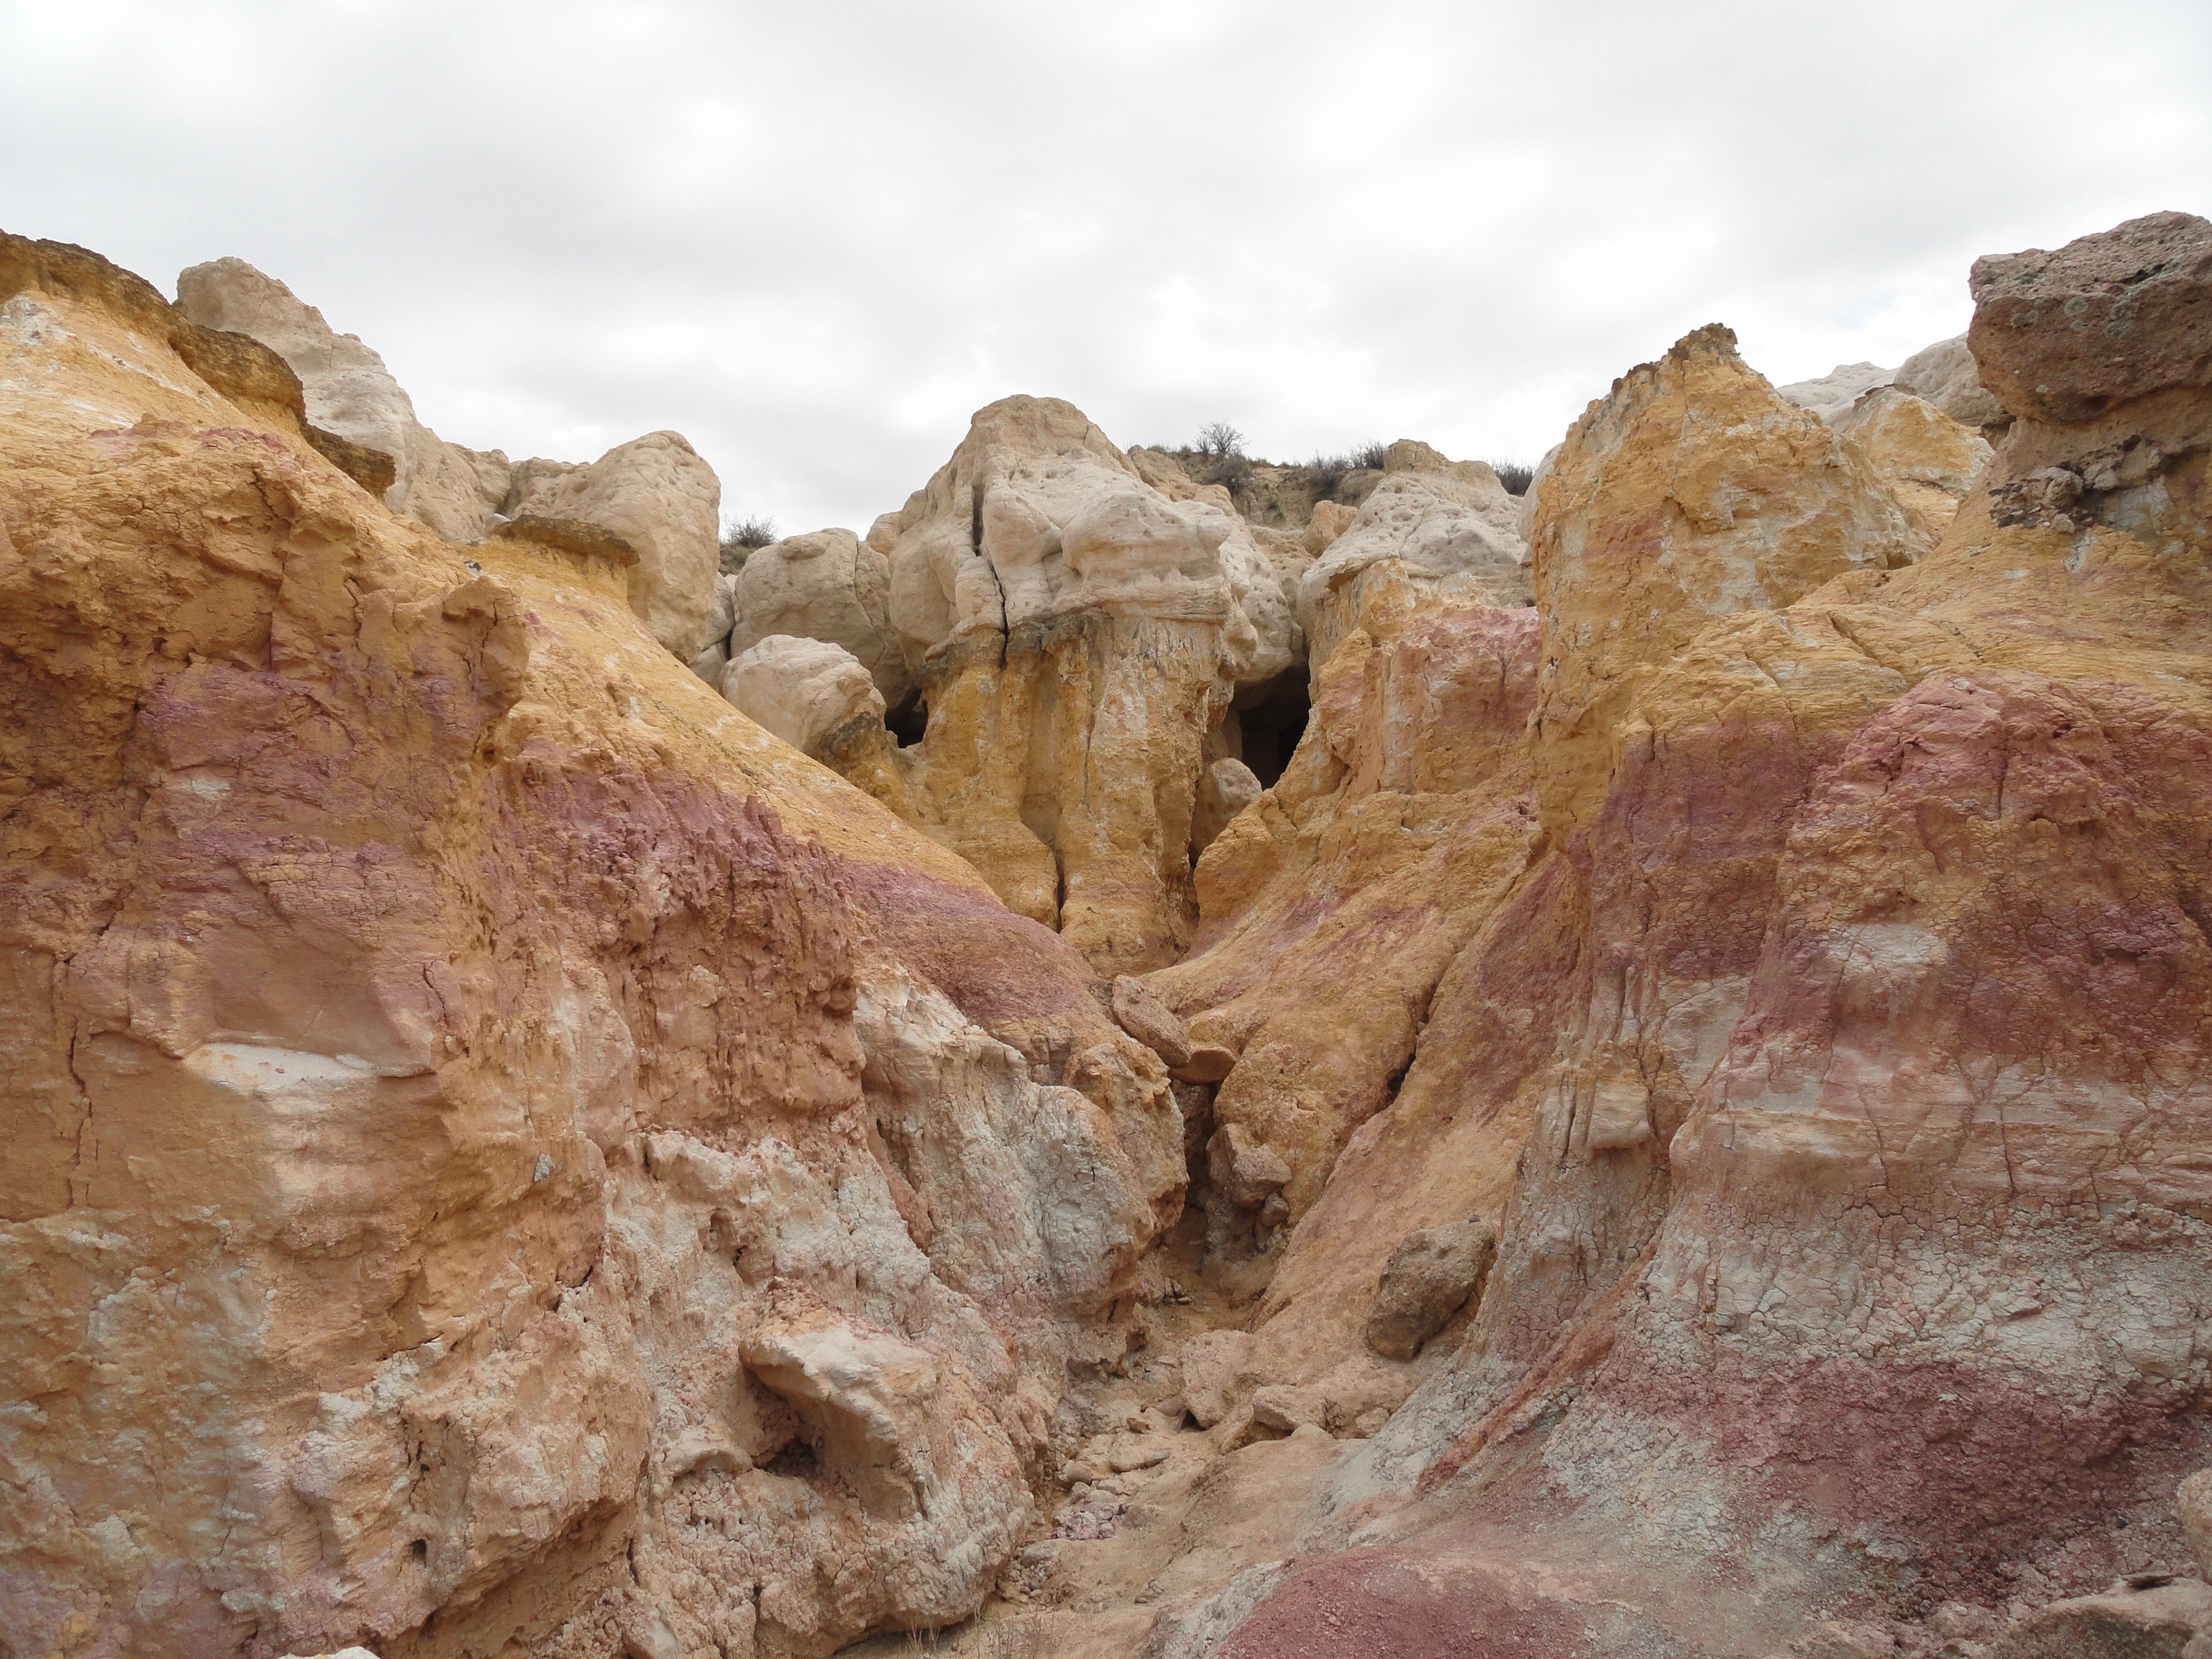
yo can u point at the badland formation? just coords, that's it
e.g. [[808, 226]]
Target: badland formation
[[1121, 1065]]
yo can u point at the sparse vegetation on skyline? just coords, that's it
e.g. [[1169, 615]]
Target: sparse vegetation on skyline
[[741, 536], [1221, 439]]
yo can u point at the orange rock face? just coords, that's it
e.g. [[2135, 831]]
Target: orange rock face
[[1336, 901], [503, 1156], [1078, 638], [1856, 1252], [1694, 490], [1927, 459]]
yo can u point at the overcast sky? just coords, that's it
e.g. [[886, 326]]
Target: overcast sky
[[815, 236]]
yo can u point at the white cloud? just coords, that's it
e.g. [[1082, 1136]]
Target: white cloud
[[814, 239]]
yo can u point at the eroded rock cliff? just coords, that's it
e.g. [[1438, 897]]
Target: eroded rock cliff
[[1690, 1080], [653, 492], [505, 1156], [1855, 1009], [1831, 1065]]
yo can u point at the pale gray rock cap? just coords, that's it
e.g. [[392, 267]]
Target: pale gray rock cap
[[1947, 375], [1834, 392]]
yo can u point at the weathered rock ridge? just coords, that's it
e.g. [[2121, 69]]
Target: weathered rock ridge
[[653, 492], [1835, 1071], [1829, 1057], [1621, 1073], [505, 1155], [1102, 651]]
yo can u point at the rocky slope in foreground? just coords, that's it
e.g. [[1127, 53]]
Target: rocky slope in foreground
[[1675, 1122], [504, 1156]]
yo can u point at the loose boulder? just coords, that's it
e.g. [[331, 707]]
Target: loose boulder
[[1245, 1170], [1429, 1278], [660, 497], [1225, 788], [2150, 1618], [803, 690], [827, 585], [2064, 337], [1150, 1021]]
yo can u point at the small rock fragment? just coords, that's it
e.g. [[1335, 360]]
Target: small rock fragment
[[1244, 1170], [1283, 1406], [1962, 1621], [1089, 1522], [1211, 1362], [2153, 1622], [1131, 1454], [1225, 789], [802, 690], [2192, 1507], [1209, 1062], [1431, 1275], [1150, 1021]]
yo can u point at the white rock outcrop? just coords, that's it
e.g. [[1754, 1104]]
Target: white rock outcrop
[[1435, 525], [721, 614], [827, 585], [654, 492], [455, 491], [1228, 788], [657, 495], [1836, 391], [1524, 522], [1078, 639], [1947, 375], [1038, 516], [803, 690]]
